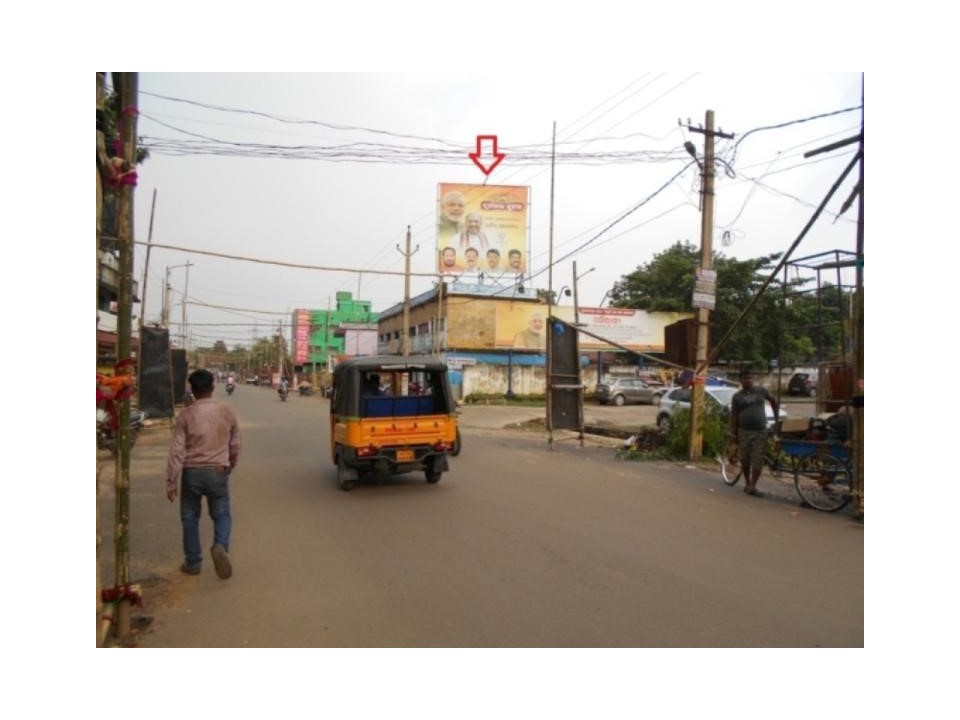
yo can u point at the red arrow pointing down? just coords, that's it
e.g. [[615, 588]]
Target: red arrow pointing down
[[478, 156]]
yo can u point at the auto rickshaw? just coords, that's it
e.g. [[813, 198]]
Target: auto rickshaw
[[391, 415]]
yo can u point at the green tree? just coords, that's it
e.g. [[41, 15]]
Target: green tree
[[665, 284], [817, 323]]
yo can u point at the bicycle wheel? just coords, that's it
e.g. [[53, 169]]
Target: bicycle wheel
[[729, 471], [823, 482]]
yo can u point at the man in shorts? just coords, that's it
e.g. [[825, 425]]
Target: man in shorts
[[748, 421]]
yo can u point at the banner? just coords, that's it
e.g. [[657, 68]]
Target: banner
[[482, 229], [522, 326], [301, 336], [635, 329]]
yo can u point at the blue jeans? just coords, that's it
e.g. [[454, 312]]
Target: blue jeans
[[197, 483]]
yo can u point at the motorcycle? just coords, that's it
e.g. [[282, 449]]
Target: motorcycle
[[283, 392], [107, 436], [230, 388]]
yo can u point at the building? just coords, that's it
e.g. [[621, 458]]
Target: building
[[319, 337], [494, 337], [108, 291]]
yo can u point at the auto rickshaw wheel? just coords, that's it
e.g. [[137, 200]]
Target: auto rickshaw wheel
[[456, 445], [346, 476], [433, 476]]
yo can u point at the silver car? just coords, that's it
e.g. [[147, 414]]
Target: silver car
[[621, 391], [680, 398]]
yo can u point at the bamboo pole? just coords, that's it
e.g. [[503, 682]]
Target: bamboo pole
[[127, 126]]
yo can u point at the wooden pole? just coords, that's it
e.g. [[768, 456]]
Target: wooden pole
[[576, 325], [703, 314], [127, 85], [858, 344], [101, 153]]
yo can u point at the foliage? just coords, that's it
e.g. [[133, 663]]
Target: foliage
[[787, 321], [716, 431]]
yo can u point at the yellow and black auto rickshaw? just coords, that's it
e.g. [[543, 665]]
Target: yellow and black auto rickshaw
[[391, 415]]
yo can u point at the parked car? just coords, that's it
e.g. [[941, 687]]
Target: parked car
[[621, 391], [719, 395], [803, 384]]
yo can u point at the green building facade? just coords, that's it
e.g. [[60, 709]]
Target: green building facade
[[315, 332]]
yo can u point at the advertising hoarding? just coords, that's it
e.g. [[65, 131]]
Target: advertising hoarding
[[522, 326], [301, 336], [482, 229]]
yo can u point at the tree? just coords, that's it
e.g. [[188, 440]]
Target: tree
[[665, 284]]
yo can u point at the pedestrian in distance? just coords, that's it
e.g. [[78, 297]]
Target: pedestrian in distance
[[748, 424], [203, 452]]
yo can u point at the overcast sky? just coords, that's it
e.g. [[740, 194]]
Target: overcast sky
[[238, 166]]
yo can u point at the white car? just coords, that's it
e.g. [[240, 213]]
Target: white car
[[680, 398]]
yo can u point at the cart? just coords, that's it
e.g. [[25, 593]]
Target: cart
[[822, 472]]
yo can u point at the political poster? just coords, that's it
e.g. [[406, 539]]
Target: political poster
[[482, 229]]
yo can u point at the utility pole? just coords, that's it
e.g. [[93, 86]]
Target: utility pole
[[553, 167], [406, 293], [858, 342], [165, 308], [576, 325], [280, 347], [183, 307], [706, 278]]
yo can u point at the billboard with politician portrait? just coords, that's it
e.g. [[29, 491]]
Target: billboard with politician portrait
[[482, 229]]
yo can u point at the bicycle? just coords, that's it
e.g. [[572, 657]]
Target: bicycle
[[775, 461], [822, 474]]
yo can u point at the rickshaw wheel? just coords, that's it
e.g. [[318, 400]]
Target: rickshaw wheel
[[346, 476], [456, 445], [433, 476]]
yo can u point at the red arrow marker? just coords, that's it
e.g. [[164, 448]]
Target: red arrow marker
[[478, 156]]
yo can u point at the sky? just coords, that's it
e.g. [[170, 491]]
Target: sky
[[269, 193]]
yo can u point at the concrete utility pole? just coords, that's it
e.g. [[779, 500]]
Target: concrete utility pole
[[406, 293], [183, 306], [705, 273], [280, 359]]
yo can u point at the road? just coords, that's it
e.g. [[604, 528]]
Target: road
[[517, 546]]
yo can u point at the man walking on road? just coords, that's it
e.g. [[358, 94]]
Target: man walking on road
[[204, 451]]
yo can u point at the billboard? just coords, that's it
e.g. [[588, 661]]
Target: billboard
[[635, 329], [522, 326], [483, 229], [301, 336]]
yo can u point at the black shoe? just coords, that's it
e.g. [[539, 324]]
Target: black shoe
[[190, 569], [221, 562]]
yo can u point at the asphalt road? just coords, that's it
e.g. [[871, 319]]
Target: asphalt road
[[517, 546]]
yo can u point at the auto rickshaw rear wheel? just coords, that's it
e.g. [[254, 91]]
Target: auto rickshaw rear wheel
[[346, 476], [433, 476]]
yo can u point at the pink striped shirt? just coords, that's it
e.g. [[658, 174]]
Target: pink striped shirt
[[206, 434]]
